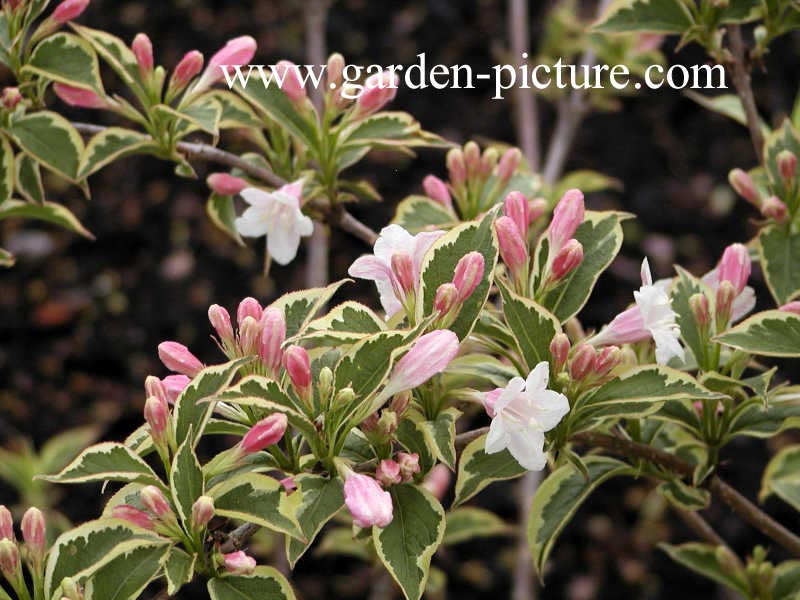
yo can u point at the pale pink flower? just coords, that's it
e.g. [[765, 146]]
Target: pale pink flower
[[367, 502]]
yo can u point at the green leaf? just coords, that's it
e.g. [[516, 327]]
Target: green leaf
[[467, 523], [49, 211], [779, 253], [109, 145], [256, 498], [178, 570], [476, 469], [440, 263], [406, 545], [477, 371], [727, 105], [657, 16], [420, 213], [6, 170], [322, 498], [532, 326], [186, 479], [6, 258], [63, 447], [782, 477], [236, 112], [114, 51], [601, 237], [703, 559], [769, 333], [66, 58], [191, 412], [108, 461], [753, 419], [28, 179], [786, 584], [586, 181], [558, 498], [347, 318], [51, 140], [265, 583], [368, 363], [222, 213], [301, 307], [684, 497], [441, 435], [127, 575]]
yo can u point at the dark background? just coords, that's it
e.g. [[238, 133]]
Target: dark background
[[80, 320]]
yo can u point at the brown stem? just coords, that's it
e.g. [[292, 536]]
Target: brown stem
[[700, 527], [527, 121], [463, 439], [238, 538], [742, 81]]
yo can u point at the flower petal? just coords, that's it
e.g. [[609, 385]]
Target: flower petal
[[254, 222], [538, 378], [527, 446], [497, 439]]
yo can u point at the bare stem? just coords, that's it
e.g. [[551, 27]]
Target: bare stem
[[526, 117], [238, 538], [700, 527], [742, 81]]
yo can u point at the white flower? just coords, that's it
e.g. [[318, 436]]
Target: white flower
[[278, 216], [524, 410], [393, 240]]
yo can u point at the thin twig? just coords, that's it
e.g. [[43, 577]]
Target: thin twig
[[239, 537], [700, 527], [744, 88], [526, 117]]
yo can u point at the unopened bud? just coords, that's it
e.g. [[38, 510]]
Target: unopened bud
[[516, 207], [153, 500], [9, 558], [291, 84], [156, 413], [238, 563], [698, 303], [272, 337], [334, 70], [488, 162], [387, 424], [468, 274], [132, 515], [379, 90], [744, 185], [33, 532], [445, 298], [266, 432], [177, 357], [249, 307], [567, 259], [537, 206], [472, 158], [345, 397], [70, 590], [436, 190], [774, 208], [225, 184], [142, 49], [409, 465], [249, 336], [726, 559], [298, 365], [10, 98], [559, 350], [221, 322], [69, 10], [513, 248], [582, 361], [187, 69], [388, 472], [202, 511], [792, 307], [456, 167], [606, 359], [325, 382], [508, 164], [787, 165], [725, 296], [6, 524]]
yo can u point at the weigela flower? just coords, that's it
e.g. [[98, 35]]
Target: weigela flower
[[429, 355], [523, 411], [278, 216]]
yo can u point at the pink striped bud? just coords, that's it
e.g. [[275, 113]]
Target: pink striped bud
[[202, 511], [445, 298], [774, 208], [436, 190], [513, 248], [249, 307], [156, 414], [516, 207], [559, 350], [132, 515], [6, 524], [153, 386], [606, 359], [582, 361], [437, 481], [153, 500], [33, 532], [792, 307], [176, 357], [734, 266], [379, 90], [787, 165], [249, 336], [508, 165], [698, 304], [142, 49], [567, 259], [468, 274], [273, 334], [10, 98], [69, 10], [367, 502], [225, 184], [744, 185], [266, 432], [236, 52], [238, 563], [335, 70], [388, 472], [537, 206], [567, 217], [9, 559], [400, 403], [726, 293], [429, 355], [456, 167], [187, 69], [220, 320], [79, 97], [472, 158], [409, 465], [488, 162], [175, 384], [403, 269], [287, 74], [298, 365]]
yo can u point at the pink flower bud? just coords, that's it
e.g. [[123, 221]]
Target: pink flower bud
[[236, 52], [559, 350], [133, 515], [153, 500], [220, 320], [69, 10], [513, 249], [238, 563], [273, 334], [288, 484], [744, 185], [567, 217], [80, 97], [606, 359], [429, 355], [567, 259], [582, 361], [735, 266], [437, 481], [298, 365], [379, 90], [202, 511], [508, 164], [175, 384], [33, 532], [774, 208], [792, 307], [143, 51], [187, 69], [409, 465], [176, 357], [516, 207], [468, 274], [400, 403], [153, 386], [472, 158], [488, 162], [335, 69], [249, 307], [367, 502], [537, 206], [9, 559], [225, 185], [10, 98], [403, 269], [287, 74], [6, 524], [726, 293], [445, 298], [388, 472], [436, 190], [698, 303], [490, 399], [156, 414], [456, 168], [249, 336], [787, 164], [266, 432]]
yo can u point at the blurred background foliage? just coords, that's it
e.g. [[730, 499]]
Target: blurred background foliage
[[80, 320]]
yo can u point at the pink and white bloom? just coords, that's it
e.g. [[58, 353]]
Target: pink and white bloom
[[238, 563], [651, 317], [429, 355], [278, 216], [393, 240], [523, 412], [367, 502]]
